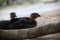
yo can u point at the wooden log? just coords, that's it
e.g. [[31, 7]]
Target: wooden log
[[31, 32]]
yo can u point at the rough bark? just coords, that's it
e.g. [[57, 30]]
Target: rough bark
[[31, 32]]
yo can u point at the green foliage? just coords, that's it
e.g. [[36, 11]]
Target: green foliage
[[2, 1]]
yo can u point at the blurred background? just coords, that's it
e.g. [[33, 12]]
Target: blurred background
[[26, 7], [20, 2]]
